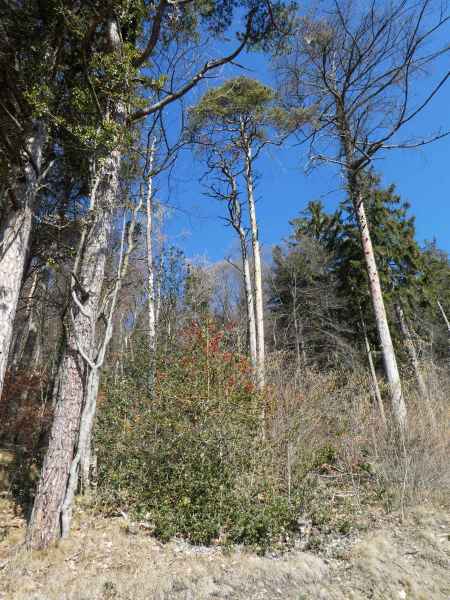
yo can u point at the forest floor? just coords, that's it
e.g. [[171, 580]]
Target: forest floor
[[392, 557]]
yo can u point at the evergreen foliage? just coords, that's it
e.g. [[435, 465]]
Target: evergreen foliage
[[324, 259], [191, 460]]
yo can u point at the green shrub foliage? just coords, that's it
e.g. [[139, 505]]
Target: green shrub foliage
[[191, 459]]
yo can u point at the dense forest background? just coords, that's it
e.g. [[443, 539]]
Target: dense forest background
[[212, 397]]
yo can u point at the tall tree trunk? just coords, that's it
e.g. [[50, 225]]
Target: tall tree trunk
[[36, 352], [159, 267], [235, 211], [412, 353], [15, 231], [28, 346], [151, 304], [76, 374], [24, 341], [387, 348], [447, 322], [84, 445], [249, 302], [376, 387], [83, 457], [72, 377], [257, 271]]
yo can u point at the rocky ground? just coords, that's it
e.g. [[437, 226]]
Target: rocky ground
[[393, 558]]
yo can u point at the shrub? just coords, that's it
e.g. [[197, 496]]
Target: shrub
[[192, 459]]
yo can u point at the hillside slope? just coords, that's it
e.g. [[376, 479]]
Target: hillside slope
[[109, 559]]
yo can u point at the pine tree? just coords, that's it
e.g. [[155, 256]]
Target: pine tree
[[233, 123]]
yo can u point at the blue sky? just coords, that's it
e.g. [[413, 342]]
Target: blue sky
[[422, 177]]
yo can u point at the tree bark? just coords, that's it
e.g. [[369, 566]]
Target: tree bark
[[15, 234], [235, 211], [51, 511], [24, 341], [151, 304], [249, 304], [447, 322], [376, 387], [257, 271], [387, 348], [70, 393], [85, 441]]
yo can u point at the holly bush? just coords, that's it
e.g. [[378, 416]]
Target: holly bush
[[191, 457]]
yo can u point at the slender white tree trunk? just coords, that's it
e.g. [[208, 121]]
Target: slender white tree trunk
[[412, 353], [235, 211], [387, 348], [151, 304], [83, 456], [250, 306], [447, 322], [159, 266], [373, 373], [257, 271], [82, 460], [84, 445], [83, 453], [15, 231]]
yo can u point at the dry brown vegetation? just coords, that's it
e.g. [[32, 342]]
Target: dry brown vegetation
[[334, 414]]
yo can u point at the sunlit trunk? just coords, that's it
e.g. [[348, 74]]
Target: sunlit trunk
[[151, 303], [373, 374], [15, 232], [77, 369], [235, 211], [257, 272], [387, 348], [73, 373], [447, 322], [251, 325]]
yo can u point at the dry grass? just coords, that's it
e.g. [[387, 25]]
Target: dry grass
[[333, 415]]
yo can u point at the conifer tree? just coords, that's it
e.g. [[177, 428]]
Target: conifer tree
[[234, 123]]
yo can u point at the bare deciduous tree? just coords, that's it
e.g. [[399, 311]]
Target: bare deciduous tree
[[355, 66]]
